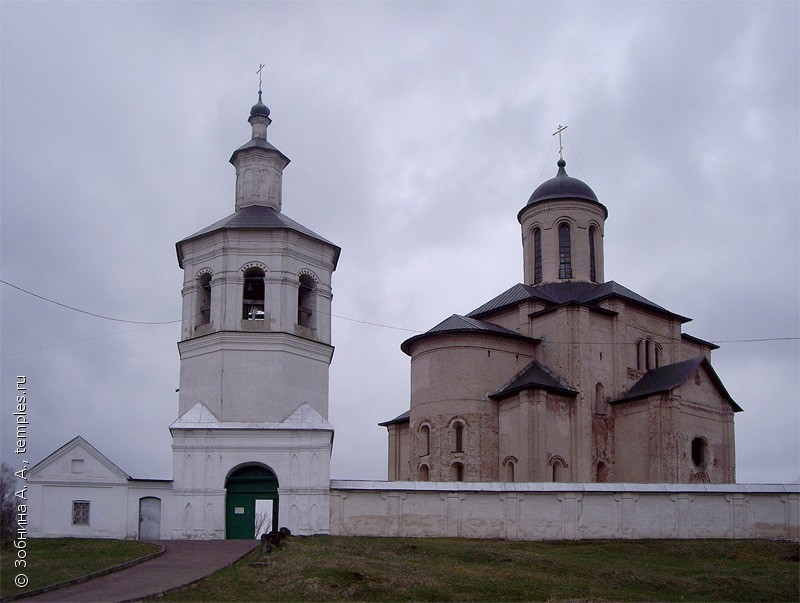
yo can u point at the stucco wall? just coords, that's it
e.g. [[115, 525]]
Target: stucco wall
[[536, 511]]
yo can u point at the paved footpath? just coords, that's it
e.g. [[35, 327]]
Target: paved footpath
[[182, 562]]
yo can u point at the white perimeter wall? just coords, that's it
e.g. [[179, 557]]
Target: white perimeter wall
[[543, 511]]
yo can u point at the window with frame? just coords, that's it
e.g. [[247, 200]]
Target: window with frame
[[425, 440], [592, 256], [564, 252], [80, 512], [537, 256], [640, 355], [458, 428]]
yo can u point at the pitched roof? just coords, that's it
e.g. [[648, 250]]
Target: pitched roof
[[404, 418], [79, 441], [666, 378], [533, 376], [463, 324], [558, 294], [256, 217]]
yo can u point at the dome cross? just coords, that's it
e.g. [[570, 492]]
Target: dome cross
[[258, 71], [560, 146]]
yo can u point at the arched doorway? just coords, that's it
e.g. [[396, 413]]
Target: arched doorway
[[244, 487]]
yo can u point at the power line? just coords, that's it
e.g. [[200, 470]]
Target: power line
[[375, 324], [133, 322], [169, 322], [363, 322]]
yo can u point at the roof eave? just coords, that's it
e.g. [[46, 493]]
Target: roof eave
[[557, 198], [406, 345]]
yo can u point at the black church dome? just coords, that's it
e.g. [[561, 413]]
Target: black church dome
[[562, 187], [259, 108]]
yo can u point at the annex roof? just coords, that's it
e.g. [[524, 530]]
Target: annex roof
[[256, 217], [80, 442], [558, 294], [533, 376], [404, 418], [463, 324], [667, 378]]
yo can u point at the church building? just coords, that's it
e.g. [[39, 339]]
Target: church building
[[255, 353], [565, 377]]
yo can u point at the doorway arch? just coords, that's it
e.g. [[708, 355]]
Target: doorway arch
[[243, 487]]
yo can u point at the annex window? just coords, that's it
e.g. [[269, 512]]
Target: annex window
[[424, 474], [305, 301], [458, 432], [699, 451], [203, 309], [602, 473], [592, 255], [457, 472], [80, 512], [564, 252], [425, 440], [253, 294], [537, 256]]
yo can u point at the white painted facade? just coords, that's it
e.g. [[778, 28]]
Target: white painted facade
[[255, 352], [550, 511]]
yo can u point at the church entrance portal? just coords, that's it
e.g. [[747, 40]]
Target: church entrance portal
[[244, 487]]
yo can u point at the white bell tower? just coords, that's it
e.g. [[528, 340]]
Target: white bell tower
[[255, 351]]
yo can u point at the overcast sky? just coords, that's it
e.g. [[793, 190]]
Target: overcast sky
[[416, 131]]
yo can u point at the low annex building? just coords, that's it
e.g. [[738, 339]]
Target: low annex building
[[564, 377]]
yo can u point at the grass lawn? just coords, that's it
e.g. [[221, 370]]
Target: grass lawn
[[328, 568], [55, 560]]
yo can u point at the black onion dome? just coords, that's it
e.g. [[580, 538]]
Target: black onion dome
[[562, 187], [259, 108]]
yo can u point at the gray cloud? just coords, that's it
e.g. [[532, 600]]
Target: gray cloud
[[416, 133]]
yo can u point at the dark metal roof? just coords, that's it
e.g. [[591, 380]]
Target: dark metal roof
[[256, 217], [559, 294], [259, 108], [563, 186], [533, 376], [712, 346], [463, 324], [258, 143], [666, 378], [404, 418]]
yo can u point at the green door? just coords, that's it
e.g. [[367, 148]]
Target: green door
[[244, 487]]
